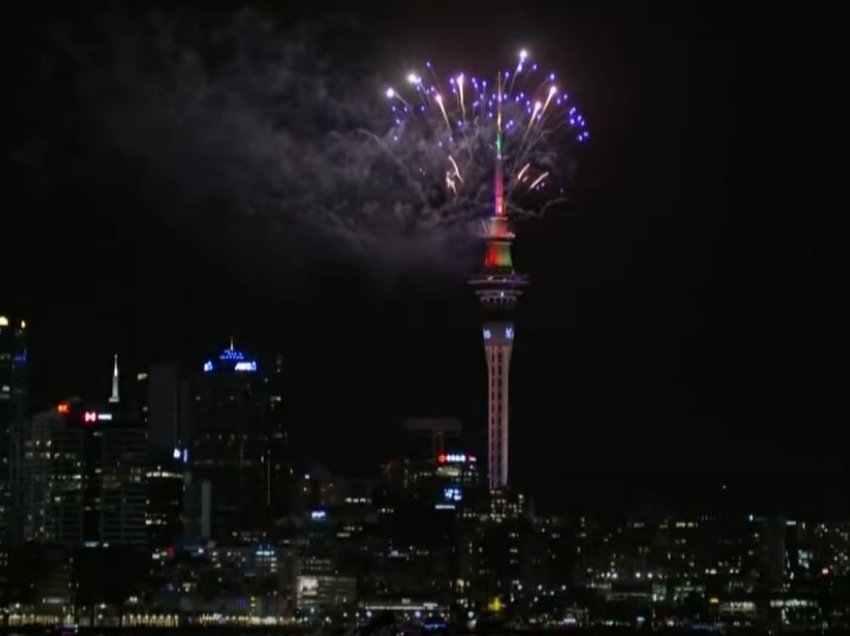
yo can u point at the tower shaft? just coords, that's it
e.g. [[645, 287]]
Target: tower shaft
[[498, 345]]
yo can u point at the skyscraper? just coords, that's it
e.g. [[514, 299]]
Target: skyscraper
[[13, 413], [83, 475], [169, 400], [170, 408], [238, 442], [498, 286]]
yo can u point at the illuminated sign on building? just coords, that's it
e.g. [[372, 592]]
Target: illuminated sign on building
[[452, 493], [64, 408], [455, 458], [229, 356], [487, 334], [89, 417], [509, 333], [318, 515]]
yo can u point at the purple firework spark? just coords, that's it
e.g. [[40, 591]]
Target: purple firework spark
[[444, 135]]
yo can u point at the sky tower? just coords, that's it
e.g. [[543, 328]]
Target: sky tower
[[498, 286]]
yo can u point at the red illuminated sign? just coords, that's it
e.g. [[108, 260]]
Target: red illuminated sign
[[455, 458], [90, 416], [64, 408]]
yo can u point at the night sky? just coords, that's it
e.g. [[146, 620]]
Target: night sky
[[686, 325]]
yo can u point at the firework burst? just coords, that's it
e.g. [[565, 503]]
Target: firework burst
[[448, 133]]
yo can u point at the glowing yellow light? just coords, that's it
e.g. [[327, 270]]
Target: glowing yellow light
[[23, 324], [495, 605], [4, 322], [714, 600]]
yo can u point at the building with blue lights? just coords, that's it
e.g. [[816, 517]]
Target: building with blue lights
[[237, 446], [13, 413]]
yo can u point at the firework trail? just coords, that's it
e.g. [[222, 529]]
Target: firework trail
[[447, 140]]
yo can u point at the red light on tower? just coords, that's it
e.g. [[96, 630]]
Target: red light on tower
[[441, 458]]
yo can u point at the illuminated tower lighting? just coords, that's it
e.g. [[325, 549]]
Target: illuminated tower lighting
[[498, 288]]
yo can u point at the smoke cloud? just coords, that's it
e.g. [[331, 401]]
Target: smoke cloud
[[245, 126]]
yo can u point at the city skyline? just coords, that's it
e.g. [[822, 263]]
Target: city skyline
[[252, 255], [670, 298]]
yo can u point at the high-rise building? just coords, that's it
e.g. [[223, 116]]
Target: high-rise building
[[165, 503], [13, 413], [167, 408], [169, 400], [238, 443], [498, 287], [83, 475]]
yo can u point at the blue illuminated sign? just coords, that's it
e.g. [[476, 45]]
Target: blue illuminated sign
[[435, 625], [509, 333], [231, 355], [234, 356], [452, 493]]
